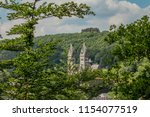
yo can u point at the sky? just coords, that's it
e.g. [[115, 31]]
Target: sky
[[108, 12], [141, 3]]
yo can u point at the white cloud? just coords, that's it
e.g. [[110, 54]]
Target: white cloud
[[7, 26], [108, 12]]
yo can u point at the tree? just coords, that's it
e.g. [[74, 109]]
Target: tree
[[32, 13], [30, 65], [131, 41], [130, 76]]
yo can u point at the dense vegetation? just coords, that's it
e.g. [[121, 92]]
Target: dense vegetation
[[36, 67], [29, 75], [131, 74], [98, 49]]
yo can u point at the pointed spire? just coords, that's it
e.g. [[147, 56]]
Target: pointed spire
[[83, 49], [70, 52], [71, 60], [82, 58]]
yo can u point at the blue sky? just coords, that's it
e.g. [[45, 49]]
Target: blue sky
[[108, 12], [141, 3]]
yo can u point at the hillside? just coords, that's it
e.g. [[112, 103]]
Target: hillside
[[98, 49]]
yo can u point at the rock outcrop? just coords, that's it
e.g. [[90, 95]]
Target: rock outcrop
[[94, 30]]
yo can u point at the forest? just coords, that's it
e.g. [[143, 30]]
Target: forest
[[35, 68]]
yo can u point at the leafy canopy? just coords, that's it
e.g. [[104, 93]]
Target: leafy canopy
[[32, 12], [130, 77], [31, 76]]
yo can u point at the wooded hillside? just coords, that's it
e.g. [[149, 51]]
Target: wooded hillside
[[98, 49]]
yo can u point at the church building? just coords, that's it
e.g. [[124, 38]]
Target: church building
[[84, 63]]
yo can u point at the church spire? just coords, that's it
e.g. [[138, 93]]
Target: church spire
[[82, 57], [70, 52], [83, 50], [70, 61]]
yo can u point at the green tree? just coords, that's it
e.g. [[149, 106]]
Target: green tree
[[32, 13], [130, 76], [29, 72], [131, 41]]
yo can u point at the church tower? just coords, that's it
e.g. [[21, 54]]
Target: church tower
[[82, 58], [70, 61]]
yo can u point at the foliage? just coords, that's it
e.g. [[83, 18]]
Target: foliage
[[28, 67], [31, 75], [131, 41], [98, 49], [130, 76], [32, 13], [131, 85]]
